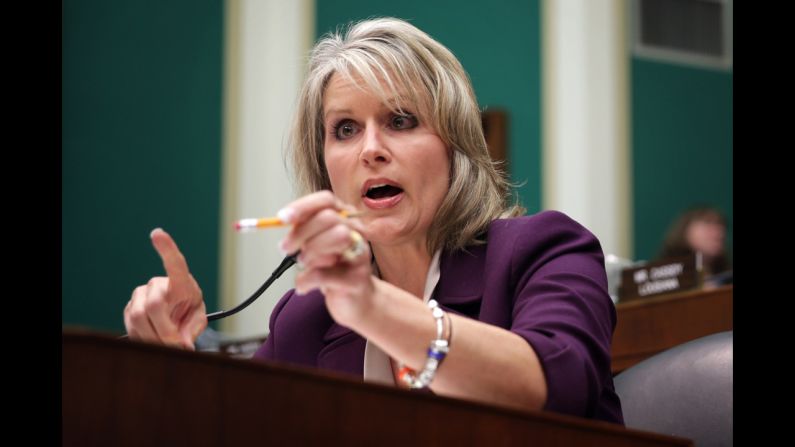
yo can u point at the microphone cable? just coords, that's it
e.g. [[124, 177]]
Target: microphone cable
[[288, 262]]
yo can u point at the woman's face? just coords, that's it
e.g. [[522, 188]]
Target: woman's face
[[706, 236], [393, 168]]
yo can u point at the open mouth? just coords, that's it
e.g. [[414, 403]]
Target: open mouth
[[382, 194], [377, 192]]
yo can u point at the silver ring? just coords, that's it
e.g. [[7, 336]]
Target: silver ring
[[356, 249]]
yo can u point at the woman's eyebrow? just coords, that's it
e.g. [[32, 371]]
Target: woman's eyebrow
[[338, 111]]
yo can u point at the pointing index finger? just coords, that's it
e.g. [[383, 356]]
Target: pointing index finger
[[173, 260]]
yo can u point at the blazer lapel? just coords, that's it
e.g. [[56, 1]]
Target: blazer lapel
[[460, 287]]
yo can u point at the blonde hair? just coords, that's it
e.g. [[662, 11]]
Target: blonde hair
[[393, 57]]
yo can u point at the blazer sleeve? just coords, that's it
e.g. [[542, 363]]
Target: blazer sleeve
[[268, 349], [562, 308]]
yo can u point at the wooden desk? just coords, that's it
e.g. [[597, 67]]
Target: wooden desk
[[651, 325], [123, 393]]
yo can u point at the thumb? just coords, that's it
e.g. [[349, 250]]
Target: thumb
[[192, 329]]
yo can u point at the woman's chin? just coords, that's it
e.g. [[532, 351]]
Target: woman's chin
[[386, 233], [391, 237]]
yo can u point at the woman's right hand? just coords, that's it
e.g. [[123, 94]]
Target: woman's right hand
[[170, 309]]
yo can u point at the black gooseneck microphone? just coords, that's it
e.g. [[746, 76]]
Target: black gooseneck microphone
[[287, 262]]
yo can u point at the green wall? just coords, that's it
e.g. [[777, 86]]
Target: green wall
[[682, 146], [141, 147], [499, 45]]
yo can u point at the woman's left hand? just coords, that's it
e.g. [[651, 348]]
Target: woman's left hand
[[329, 259]]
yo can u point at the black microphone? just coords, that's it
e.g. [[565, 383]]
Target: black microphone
[[287, 262]]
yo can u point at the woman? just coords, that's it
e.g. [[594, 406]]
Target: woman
[[700, 229], [388, 128]]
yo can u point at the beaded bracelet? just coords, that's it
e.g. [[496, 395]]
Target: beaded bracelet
[[436, 352]]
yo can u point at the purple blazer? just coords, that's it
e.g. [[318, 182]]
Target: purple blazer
[[539, 276]]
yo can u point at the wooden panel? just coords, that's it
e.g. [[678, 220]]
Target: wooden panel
[[495, 130], [648, 326], [127, 393]]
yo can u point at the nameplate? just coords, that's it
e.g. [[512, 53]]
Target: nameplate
[[660, 277]]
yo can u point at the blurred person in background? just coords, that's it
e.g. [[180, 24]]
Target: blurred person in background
[[701, 229]]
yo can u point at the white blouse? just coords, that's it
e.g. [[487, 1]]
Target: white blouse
[[377, 367]]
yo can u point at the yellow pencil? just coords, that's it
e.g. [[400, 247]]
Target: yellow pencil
[[270, 222]]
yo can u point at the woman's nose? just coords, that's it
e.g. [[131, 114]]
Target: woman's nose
[[374, 148]]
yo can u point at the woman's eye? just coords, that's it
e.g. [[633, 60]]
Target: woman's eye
[[401, 122], [344, 130]]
